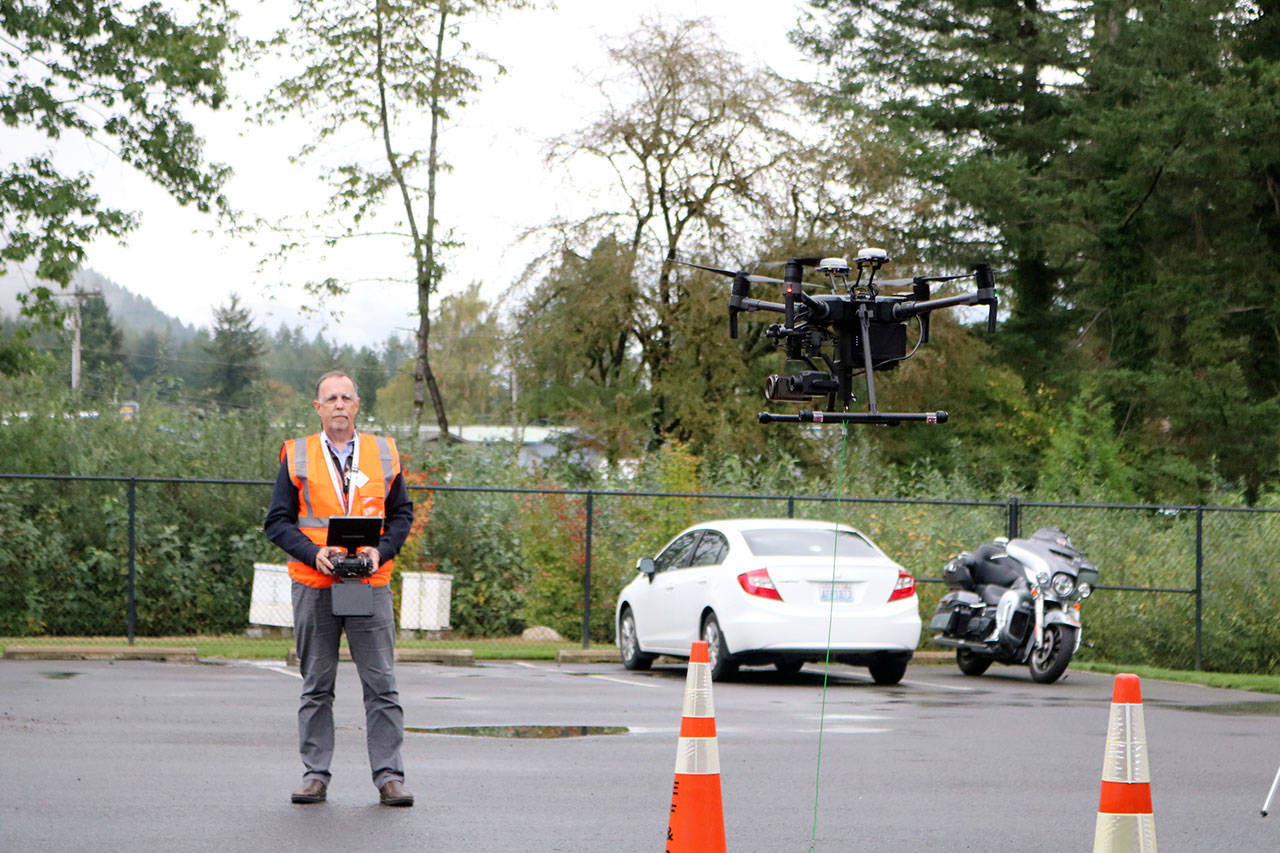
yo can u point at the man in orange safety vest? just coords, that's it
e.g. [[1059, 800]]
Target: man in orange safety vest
[[342, 472]]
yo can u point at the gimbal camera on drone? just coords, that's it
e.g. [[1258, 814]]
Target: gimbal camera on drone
[[858, 331]]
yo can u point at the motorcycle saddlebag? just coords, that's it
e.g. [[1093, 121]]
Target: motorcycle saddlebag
[[954, 612]]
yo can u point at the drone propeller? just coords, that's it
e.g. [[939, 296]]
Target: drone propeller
[[806, 261], [903, 282], [757, 279]]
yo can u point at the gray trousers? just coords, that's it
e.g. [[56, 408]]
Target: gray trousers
[[372, 641]]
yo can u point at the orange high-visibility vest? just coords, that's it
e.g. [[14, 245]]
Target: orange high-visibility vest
[[319, 497]]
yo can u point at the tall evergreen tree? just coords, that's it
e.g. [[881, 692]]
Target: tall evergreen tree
[[103, 360], [1119, 158], [152, 356], [370, 376], [235, 355], [976, 95]]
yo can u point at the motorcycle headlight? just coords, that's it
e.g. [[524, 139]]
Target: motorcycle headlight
[[1085, 590], [1042, 578], [1063, 584]]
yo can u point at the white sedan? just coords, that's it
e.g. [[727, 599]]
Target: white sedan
[[771, 591]]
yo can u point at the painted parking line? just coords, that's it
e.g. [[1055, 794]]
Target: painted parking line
[[845, 730], [273, 667], [935, 684], [624, 681]]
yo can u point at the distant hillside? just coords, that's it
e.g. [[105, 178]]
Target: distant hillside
[[132, 313]]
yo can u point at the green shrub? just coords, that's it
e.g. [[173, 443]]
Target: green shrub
[[519, 559]]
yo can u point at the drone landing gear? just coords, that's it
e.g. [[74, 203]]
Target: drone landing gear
[[886, 418]]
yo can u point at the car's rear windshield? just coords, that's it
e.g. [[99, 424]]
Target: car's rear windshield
[[789, 542]]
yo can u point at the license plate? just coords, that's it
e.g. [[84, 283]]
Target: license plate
[[836, 592]]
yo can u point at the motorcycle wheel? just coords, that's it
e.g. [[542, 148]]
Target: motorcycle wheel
[[971, 664], [1050, 660]]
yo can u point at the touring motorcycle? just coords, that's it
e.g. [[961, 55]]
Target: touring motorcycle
[[1016, 601]]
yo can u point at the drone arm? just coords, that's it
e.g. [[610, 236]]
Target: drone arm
[[762, 305], [906, 310], [817, 310]]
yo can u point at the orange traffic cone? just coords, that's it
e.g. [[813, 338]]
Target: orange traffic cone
[[1125, 821], [697, 815]]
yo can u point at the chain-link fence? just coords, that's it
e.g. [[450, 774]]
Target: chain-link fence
[[523, 572]]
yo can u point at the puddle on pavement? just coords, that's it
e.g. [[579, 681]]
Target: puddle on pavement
[[522, 731], [59, 675], [1232, 709]]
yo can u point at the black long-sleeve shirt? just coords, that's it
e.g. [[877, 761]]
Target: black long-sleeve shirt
[[281, 525]]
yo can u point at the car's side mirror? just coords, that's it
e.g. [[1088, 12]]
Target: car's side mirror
[[645, 566]]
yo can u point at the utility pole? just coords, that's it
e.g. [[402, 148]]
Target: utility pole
[[73, 323]]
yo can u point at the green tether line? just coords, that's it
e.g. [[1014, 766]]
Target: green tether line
[[826, 669]]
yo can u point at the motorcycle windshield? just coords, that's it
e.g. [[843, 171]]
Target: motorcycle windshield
[[1037, 553]]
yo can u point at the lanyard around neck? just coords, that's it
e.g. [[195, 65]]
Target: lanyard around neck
[[348, 497]]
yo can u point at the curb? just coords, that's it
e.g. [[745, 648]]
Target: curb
[[448, 657], [605, 655], [170, 654]]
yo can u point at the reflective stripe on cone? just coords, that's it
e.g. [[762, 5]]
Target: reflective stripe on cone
[[697, 813], [1125, 818]]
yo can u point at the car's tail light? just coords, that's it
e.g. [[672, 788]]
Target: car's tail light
[[904, 588], [758, 582]]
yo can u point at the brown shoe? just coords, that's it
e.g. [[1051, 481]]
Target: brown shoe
[[312, 791], [393, 794]]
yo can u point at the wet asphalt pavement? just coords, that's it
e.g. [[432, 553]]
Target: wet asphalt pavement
[[157, 756]]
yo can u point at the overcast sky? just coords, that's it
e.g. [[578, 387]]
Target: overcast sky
[[498, 188]]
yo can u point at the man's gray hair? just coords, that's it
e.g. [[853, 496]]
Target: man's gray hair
[[331, 374]]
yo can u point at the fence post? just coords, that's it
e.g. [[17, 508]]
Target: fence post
[[133, 517], [1015, 517], [586, 574], [791, 506], [1199, 581]]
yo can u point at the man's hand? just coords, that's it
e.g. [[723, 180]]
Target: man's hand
[[325, 557], [372, 553]]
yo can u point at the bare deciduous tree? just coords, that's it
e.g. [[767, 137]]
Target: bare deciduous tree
[[370, 67], [689, 132]]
